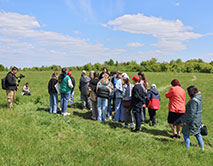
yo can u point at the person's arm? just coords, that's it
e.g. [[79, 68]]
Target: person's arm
[[191, 111], [70, 83], [169, 93]]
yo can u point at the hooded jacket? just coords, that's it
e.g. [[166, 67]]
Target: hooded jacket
[[153, 99], [83, 85], [193, 116]]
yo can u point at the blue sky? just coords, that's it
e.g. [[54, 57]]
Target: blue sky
[[76, 32]]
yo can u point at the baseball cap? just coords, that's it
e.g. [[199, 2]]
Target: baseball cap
[[136, 78], [69, 73]]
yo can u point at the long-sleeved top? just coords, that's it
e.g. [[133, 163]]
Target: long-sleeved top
[[193, 116], [11, 81], [66, 85], [51, 86], [176, 97], [83, 84], [138, 96], [119, 89], [127, 92]]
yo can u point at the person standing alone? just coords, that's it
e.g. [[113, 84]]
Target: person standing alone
[[11, 86]]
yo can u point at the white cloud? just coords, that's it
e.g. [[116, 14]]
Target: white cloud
[[136, 44], [76, 32], [171, 35], [21, 38]]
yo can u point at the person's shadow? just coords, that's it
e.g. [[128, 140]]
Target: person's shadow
[[85, 115], [156, 132]]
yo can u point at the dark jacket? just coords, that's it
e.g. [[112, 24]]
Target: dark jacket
[[73, 83], [51, 86], [10, 81], [153, 99], [193, 116], [83, 85], [103, 90], [138, 96], [93, 84]]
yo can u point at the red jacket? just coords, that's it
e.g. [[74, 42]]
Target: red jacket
[[176, 97]]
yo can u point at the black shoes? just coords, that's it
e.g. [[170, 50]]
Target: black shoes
[[136, 131], [175, 136]]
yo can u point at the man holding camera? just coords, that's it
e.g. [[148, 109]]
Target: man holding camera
[[11, 86]]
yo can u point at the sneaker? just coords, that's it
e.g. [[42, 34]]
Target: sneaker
[[132, 125], [65, 114], [110, 117], [125, 126], [93, 118], [142, 125]]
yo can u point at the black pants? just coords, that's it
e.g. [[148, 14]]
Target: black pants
[[137, 114], [152, 115]]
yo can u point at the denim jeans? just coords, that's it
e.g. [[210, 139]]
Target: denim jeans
[[143, 115], [198, 137], [53, 103], [119, 110], [102, 108], [64, 102], [109, 110], [71, 95]]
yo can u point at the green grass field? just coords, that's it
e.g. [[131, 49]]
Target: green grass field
[[29, 135]]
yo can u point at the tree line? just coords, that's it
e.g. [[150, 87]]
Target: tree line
[[190, 66]]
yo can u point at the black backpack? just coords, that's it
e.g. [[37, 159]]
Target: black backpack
[[3, 83]]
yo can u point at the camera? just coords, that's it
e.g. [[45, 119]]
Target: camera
[[20, 77]]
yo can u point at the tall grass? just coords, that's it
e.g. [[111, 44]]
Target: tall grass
[[29, 135]]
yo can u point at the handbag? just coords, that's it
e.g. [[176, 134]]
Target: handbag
[[203, 130], [127, 103]]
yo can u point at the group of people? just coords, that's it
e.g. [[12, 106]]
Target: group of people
[[107, 92]]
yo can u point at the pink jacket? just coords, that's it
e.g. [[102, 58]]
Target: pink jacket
[[176, 97]]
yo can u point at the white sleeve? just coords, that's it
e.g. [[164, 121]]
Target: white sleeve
[[70, 83]]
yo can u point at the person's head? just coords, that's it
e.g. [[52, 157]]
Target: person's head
[[64, 70], [54, 75], [136, 79], [96, 74], [175, 82], [153, 86], [83, 73], [26, 84], [69, 73], [91, 74], [105, 70], [105, 78], [126, 80], [14, 70], [119, 75], [192, 90], [141, 75]]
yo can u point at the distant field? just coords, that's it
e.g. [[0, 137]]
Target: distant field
[[29, 135]]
